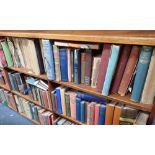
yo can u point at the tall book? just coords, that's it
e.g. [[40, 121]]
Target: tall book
[[83, 66], [69, 64], [149, 87], [59, 105], [111, 69], [103, 66], [72, 66], [3, 62], [109, 114], [49, 59], [73, 104], [88, 68], [63, 64], [92, 113], [82, 106], [63, 100], [102, 115], [96, 117], [77, 66], [78, 109], [95, 71], [125, 53], [141, 73], [129, 70], [7, 53], [67, 101]]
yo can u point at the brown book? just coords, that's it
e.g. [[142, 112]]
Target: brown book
[[109, 114], [103, 66], [6, 77], [117, 114], [83, 66], [92, 113], [49, 100], [125, 53], [129, 70]]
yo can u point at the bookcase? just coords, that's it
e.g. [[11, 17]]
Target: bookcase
[[114, 37]]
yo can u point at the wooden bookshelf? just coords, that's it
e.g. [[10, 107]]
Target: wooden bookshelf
[[4, 87]]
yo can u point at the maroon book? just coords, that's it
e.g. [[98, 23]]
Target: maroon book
[[125, 53], [103, 66]]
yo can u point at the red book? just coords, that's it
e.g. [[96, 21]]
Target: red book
[[129, 70], [97, 109], [125, 53], [3, 62], [92, 112], [45, 99], [103, 66]]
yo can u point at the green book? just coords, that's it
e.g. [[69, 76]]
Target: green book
[[67, 101], [7, 53]]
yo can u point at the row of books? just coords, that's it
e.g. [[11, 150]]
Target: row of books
[[120, 69], [92, 110]]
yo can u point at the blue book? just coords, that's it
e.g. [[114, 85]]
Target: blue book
[[82, 106], [63, 64], [102, 112], [90, 98], [49, 59], [141, 73], [77, 66], [78, 109], [59, 100], [111, 69]]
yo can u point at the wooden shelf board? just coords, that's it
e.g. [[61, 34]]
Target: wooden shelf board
[[139, 37], [4, 87]]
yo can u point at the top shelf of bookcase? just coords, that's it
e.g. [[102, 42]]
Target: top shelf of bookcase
[[140, 37]]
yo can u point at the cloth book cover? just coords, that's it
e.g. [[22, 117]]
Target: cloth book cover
[[102, 115], [78, 109], [96, 118], [69, 65], [83, 66], [3, 62], [59, 100], [82, 106]]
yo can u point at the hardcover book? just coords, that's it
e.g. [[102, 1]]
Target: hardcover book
[[83, 66], [59, 105], [102, 115], [78, 109], [67, 101], [96, 118], [69, 64], [73, 104]]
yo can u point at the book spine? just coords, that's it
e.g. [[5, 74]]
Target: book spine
[[73, 105], [141, 73], [63, 101], [89, 114], [92, 113], [129, 70], [149, 91], [67, 101], [49, 59], [125, 53], [96, 118], [95, 71], [82, 106], [77, 67], [57, 62], [59, 100], [53, 101], [63, 64], [103, 66], [110, 69], [69, 65], [88, 68], [2, 59], [102, 115], [78, 109], [83, 66], [109, 114], [72, 66]]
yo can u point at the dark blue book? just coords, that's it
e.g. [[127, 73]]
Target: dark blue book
[[77, 66], [90, 98], [78, 109], [141, 73], [59, 100], [49, 58], [63, 64], [102, 112], [82, 106]]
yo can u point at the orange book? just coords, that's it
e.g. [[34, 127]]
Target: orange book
[[97, 109], [109, 114], [117, 114]]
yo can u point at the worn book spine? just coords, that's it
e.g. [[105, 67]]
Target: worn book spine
[[6, 77], [59, 105], [69, 64], [141, 73], [67, 101], [88, 68], [49, 59], [73, 104], [7, 53], [63, 101], [78, 109], [95, 71], [57, 62], [53, 101], [142, 118], [129, 70], [83, 66], [102, 115], [45, 99], [103, 66], [92, 113], [77, 66], [124, 55], [109, 114], [82, 106], [2, 59], [63, 64], [117, 115], [96, 118], [111, 69], [149, 87], [89, 114], [72, 66]]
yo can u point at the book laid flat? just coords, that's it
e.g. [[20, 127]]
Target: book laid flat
[[129, 70], [111, 69], [49, 59], [149, 87], [141, 73], [124, 55], [103, 66], [63, 64], [142, 118]]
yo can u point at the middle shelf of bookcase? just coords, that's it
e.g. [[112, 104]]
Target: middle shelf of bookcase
[[87, 89]]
